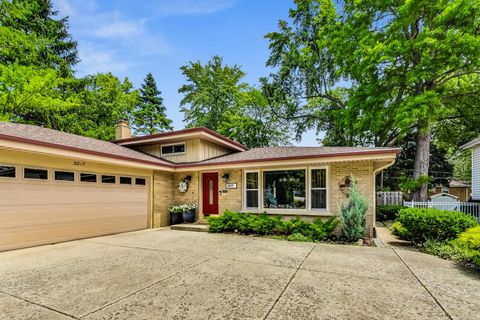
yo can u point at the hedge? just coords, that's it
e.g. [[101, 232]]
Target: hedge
[[262, 224], [420, 225], [388, 212]]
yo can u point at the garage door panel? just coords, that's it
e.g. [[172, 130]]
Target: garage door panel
[[39, 213]]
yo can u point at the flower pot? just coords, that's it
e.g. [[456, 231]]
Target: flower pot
[[176, 218], [189, 216]]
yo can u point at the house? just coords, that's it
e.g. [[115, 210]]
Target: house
[[457, 188], [475, 146], [57, 186]]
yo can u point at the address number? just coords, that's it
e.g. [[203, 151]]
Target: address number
[[79, 163]]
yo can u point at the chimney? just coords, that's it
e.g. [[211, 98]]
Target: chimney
[[122, 130]]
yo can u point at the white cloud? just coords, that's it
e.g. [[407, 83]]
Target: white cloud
[[120, 29], [193, 7]]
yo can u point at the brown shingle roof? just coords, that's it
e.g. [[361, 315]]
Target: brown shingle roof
[[288, 153], [62, 140]]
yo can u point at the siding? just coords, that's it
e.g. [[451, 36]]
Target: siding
[[476, 173], [195, 150]]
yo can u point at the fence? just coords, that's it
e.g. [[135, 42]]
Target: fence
[[385, 198], [470, 208]]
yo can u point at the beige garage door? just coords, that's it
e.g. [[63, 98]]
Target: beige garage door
[[42, 210]]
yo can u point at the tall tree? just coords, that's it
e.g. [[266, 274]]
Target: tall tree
[[215, 97], [402, 63], [32, 35], [149, 116], [211, 90]]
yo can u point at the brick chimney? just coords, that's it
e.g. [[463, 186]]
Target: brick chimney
[[122, 130]]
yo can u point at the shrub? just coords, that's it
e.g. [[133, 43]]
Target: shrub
[[298, 237], [353, 215], [468, 245], [399, 230], [263, 224], [390, 212], [434, 224]]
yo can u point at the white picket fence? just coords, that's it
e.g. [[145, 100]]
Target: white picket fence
[[386, 198], [470, 208]]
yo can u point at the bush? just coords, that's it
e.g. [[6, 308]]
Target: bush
[[433, 224], [390, 212], [468, 244], [353, 215], [399, 230], [263, 224]]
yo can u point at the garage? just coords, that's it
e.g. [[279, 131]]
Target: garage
[[41, 205], [57, 187]]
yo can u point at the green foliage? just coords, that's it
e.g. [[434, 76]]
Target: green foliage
[[464, 249], [408, 184], [149, 115], [353, 214], [399, 230], [215, 97], [389, 212], [263, 224], [424, 224]]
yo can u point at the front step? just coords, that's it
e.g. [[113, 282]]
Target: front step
[[190, 227]]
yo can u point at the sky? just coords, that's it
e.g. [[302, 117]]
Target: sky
[[134, 37]]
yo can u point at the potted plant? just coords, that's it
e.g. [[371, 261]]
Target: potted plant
[[189, 212], [176, 215]]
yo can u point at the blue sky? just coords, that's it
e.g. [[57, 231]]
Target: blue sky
[[132, 38]]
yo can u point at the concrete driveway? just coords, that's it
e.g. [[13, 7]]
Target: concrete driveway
[[165, 274]]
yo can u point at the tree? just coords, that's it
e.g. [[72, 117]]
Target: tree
[[402, 63], [31, 35], [149, 116], [211, 91], [215, 97]]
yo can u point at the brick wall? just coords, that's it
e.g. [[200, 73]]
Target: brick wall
[[232, 199], [193, 192], [163, 197]]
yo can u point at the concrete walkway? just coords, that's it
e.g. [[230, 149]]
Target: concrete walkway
[[166, 274]]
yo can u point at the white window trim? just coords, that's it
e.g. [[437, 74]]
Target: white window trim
[[258, 190], [308, 209], [310, 189], [174, 153]]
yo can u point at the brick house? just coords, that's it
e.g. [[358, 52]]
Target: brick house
[[61, 186]]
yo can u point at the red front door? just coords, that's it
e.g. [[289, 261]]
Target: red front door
[[210, 193]]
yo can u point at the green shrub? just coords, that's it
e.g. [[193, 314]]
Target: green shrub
[[468, 244], [263, 224], [298, 237], [399, 230], [390, 212], [433, 224], [353, 215]]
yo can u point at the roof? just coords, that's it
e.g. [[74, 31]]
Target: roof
[[443, 194], [201, 131], [458, 184], [67, 141], [471, 144], [291, 153]]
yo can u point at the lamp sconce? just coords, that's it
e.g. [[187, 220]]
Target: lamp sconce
[[225, 177], [187, 179]]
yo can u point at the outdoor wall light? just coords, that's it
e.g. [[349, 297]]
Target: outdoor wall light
[[225, 177], [187, 179]]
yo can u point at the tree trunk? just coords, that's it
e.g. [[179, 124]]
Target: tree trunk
[[422, 161]]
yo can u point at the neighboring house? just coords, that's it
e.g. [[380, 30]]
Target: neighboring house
[[57, 186], [460, 189], [475, 146]]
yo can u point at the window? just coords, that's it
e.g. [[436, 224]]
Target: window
[[64, 176], [7, 172], [140, 181], [39, 174], [108, 179], [88, 177], [251, 187], [125, 180], [173, 149], [318, 189], [284, 189]]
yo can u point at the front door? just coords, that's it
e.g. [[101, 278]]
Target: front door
[[210, 193]]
